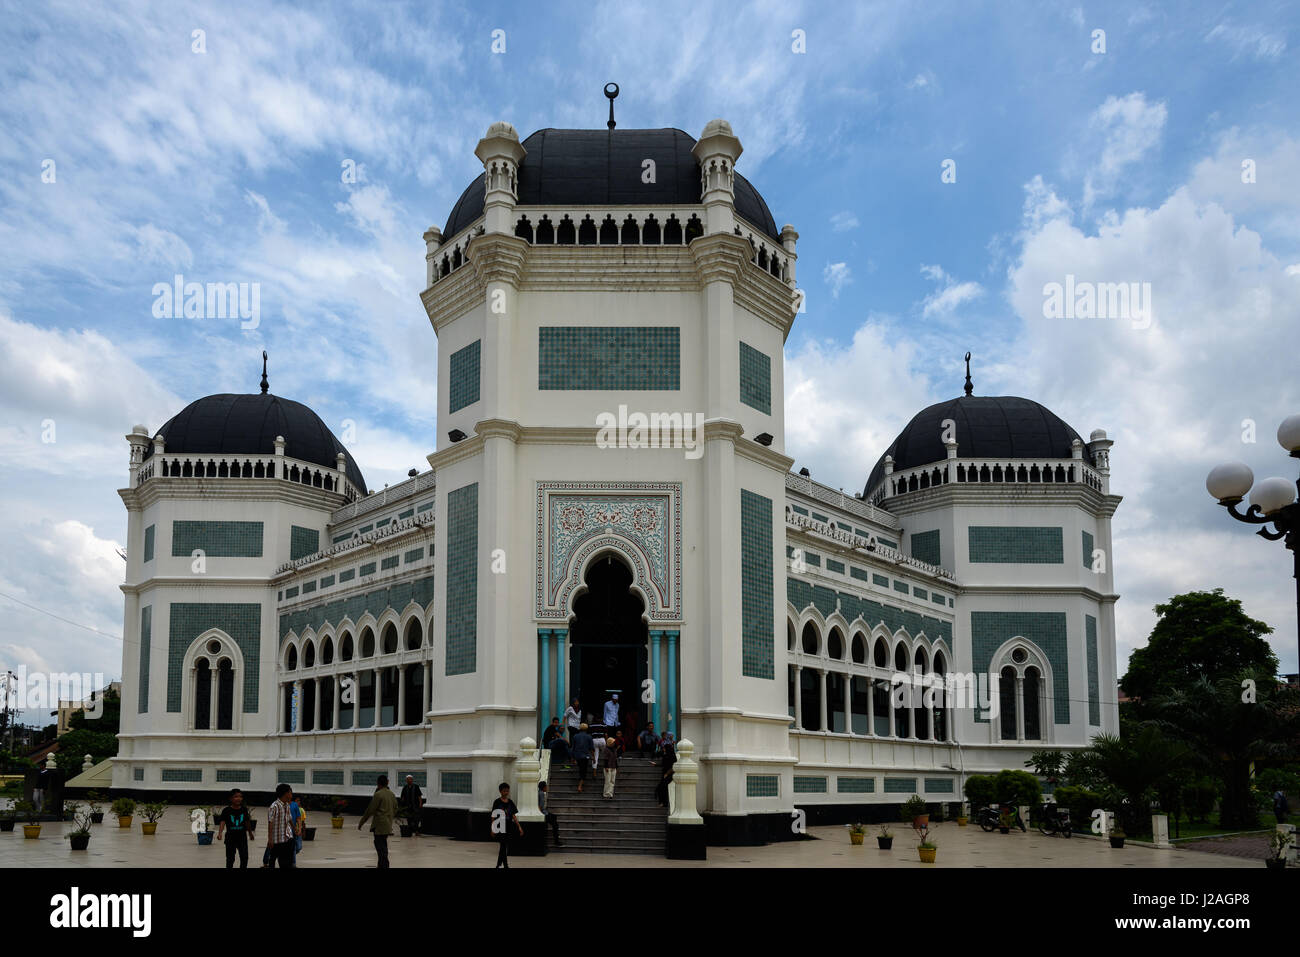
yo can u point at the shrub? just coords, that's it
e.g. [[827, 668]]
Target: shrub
[[1017, 787], [981, 789], [123, 807], [1080, 802], [913, 807]]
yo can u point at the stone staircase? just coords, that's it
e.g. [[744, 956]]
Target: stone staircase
[[628, 824]]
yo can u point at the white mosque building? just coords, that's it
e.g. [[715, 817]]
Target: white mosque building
[[610, 508]]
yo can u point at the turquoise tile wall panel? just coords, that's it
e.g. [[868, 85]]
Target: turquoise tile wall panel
[[382, 522], [862, 532], [799, 510], [182, 775], [302, 542], [340, 538], [463, 372], [347, 576], [888, 543], [809, 785], [137, 774], [291, 592], [409, 513], [925, 546], [414, 555], [146, 646], [855, 785], [846, 527], [327, 582], [396, 597], [900, 586], [900, 786], [391, 561], [800, 594], [881, 580], [755, 379], [332, 776], [217, 539], [758, 644], [1094, 685], [1016, 544], [938, 786], [821, 518], [362, 778], [421, 778], [456, 782], [762, 785], [937, 598], [833, 566], [148, 543], [1087, 550], [426, 507], [859, 573], [309, 587], [241, 621], [365, 528], [367, 569], [234, 775], [462, 580], [1044, 629], [621, 358], [813, 559], [920, 592], [292, 776]]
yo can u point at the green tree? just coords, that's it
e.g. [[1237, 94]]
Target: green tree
[[1200, 634], [1129, 771], [74, 745], [1231, 727]]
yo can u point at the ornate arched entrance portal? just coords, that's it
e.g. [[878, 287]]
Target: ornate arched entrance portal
[[609, 638]]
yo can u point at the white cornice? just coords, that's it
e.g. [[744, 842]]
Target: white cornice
[[955, 493], [229, 489]]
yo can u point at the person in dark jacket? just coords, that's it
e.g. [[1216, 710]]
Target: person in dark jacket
[[411, 800], [670, 758], [551, 819], [582, 749], [505, 820]]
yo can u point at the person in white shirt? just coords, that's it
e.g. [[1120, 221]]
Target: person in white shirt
[[598, 748], [611, 714], [572, 719]]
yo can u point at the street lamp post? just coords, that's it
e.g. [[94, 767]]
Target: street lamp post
[[1273, 501]]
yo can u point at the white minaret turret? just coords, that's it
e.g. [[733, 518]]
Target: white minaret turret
[[432, 240], [501, 154], [139, 441], [717, 151]]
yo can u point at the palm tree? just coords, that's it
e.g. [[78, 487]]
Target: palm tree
[[1129, 770]]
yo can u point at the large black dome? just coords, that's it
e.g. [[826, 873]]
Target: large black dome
[[248, 424], [603, 168], [996, 427]]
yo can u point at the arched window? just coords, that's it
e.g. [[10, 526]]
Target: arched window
[[859, 649], [810, 700], [920, 716], [367, 643], [327, 704], [225, 695], [811, 643], [327, 652], [789, 641], [345, 649], [308, 655], [413, 676], [940, 699], [1007, 702], [390, 639], [1031, 701], [1024, 693], [835, 645], [202, 695], [291, 662], [902, 727], [414, 635]]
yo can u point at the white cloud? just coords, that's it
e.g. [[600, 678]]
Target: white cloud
[[1126, 128], [837, 276], [1251, 41], [844, 221], [952, 294]]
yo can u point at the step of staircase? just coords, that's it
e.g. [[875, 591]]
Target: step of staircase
[[629, 823]]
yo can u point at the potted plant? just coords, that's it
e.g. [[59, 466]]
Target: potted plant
[[31, 827], [201, 821], [926, 847], [857, 833], [1117, 838], [153, 811], [885, 839], [962, 820], [80, 833], [1278, 842], [122, 809], [338, 805], [914, 810], [95, 807], [7, 818]]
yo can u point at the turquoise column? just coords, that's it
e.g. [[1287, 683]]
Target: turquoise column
[[544, 648], [672, 685], [561, 667], [655, 709]]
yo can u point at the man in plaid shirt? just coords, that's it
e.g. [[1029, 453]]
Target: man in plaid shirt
[[279, 829]]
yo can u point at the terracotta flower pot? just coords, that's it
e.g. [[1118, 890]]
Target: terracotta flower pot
[[148, 827], [124, 820], [31, 831], [920, 821], [856, 839], [927, 854]]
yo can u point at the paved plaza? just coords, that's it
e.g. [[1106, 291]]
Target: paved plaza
[[174, 846]]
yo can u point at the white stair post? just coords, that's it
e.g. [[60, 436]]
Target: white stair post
[[681, 793], [526, 776]]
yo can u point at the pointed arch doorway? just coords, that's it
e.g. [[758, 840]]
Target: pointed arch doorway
[[609, 635]]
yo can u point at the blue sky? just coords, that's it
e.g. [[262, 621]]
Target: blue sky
[[224, 165]]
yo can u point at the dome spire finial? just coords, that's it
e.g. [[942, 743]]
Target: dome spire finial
[[266, 385], [969, 386], [611, 96]]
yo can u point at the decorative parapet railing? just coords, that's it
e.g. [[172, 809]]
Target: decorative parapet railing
[[357, 542], [393, 495], [836, 498], [869, 546], [614, 226], [989, 472], [186, 465]]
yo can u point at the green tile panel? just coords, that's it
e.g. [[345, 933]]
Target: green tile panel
[[1016, 544], [234, 775], [888, 543], [332, 776], [456, 782], [1046, 630], [137, 774], [347, 575], [148, 543], [881, 580], [1094, 685], [421, 778], [621, 358], [303, 542], [809, 785], [241, 621], [860, 574], [396, 597], [900, 586], [755, 379], [463, 372], [146, 644], [938, 786], [1087, 550], [833, 566], [900, 786], [855, 785], [217, 539], [414, 555], [462, 580], [390, 561], [925, 546], [801, 593], [362, 778], [367, 569], [758, 647], [762, 785], [920, 592], [182, 775]]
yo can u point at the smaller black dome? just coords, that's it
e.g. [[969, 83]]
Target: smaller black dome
[[987, 426], [228, 424]]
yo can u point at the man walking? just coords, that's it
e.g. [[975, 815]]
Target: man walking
[[610, 717], [611, 767], [383, 808], [582, 748], [279, 828], [505, 814], [233, 818], [412, 800], [551, 819]]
